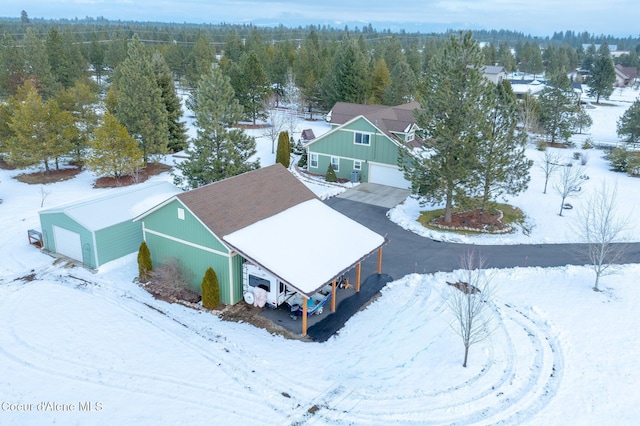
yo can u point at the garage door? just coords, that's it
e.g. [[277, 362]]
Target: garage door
[[388, 175], [68, 243]]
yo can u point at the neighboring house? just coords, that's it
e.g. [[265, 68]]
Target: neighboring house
[[364, 142], [495, 74], [263, 217], [307, 135], [99, 229], [522, 87], [625, 76]]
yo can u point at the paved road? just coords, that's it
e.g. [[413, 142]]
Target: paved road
[[407, 252]]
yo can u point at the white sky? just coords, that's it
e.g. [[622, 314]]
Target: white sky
[[543, 17]]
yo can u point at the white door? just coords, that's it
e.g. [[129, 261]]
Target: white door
[[67, 243], [388, 175]]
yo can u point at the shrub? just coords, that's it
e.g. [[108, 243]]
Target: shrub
[[619, 159], [170, 281], [331, 174], [210, 289], [541, 145], [587, 144], [303, 160], [145, 265], [584, 158], [283, 153]]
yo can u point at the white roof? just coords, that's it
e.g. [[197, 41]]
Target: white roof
[[116, 205], [307, 245]]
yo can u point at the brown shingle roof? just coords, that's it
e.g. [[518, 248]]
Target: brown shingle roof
[[234, 203]]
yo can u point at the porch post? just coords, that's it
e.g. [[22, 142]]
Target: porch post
[[358, 268], [304, 315], [380, 260], [333, 296]]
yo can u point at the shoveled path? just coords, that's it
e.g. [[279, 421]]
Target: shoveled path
[[408, 253]]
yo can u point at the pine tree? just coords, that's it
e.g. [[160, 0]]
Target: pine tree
[[330, 176], [217, 152], [145, 265], [628, 125], [380, 82], [403, 85], [113, 152], [558, 107], [349, 76], [503, 164], [283, 153], [36, 67], [210, 289], [199, 60], [138, 101], [65, 59], [164, 77], [602, 75], [454, 102], [96, 57], [254, 87]]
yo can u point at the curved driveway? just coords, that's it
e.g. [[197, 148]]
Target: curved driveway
[[407, 252]]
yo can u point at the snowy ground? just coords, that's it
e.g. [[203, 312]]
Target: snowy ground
[[561, 354]]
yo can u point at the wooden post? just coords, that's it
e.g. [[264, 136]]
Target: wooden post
[[304, 315], [333, 296], [380, 260], [358, 268]]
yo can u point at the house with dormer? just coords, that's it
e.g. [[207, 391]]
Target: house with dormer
[[364, 143]]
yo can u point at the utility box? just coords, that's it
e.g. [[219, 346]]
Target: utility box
[[355, 177]]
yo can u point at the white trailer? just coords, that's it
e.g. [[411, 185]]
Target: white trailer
[[253, 277]]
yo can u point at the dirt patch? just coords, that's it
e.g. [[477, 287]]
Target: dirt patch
[[473, 220], [51, 177], [151, 169], [5, 166]]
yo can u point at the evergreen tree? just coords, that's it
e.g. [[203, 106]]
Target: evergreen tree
[[113, 152], [628, 125], [200, 58], [36, 67], [452, 117], [210, 289], [41, 131], [602, 75], [65, 59], [582, 121], [138, 101], [254, 87], [164, 77], [503, 164], [348, 80], [330, 176], [310, 71], [116, 51], [217, 152], [403, 85], [283, 153], [380, 82], [96, 57], [505, 57], [145, 265], [558, 107]]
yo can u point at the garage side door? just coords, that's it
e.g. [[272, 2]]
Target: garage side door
[[388, 175], [67, 243]]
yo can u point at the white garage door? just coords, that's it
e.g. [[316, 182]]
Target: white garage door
[[67, 243], [388, 175]]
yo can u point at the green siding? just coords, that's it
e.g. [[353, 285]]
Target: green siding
[[195, 261], [236, 265], [165, 220], [118, 240], [61, 220], [340, 143]]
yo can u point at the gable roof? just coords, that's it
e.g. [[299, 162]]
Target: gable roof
[[627, 72], [237, 202], [494, 69], [115, 205], [390, 120]]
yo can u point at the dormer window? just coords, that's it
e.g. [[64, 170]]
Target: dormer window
[[361, 138], [410, 136]]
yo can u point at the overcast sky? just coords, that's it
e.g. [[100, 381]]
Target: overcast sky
[[535, 17]]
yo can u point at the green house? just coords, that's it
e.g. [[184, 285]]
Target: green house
[[364, 143], [100, 228], [257, 217]]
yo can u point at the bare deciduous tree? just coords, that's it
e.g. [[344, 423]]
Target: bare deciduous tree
[[569, 183], [276, 121], [44, 193], [170, 279], [549, 163], [601, 229], [470, 302]]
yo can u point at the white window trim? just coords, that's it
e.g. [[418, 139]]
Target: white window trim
[[357, 165], [410, 137], [180, 213], [311, 160], [363, 134], [336, 166]]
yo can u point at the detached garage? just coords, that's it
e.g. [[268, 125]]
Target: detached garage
[[100, 229]]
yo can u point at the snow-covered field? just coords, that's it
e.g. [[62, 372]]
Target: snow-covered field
[[78, 347]]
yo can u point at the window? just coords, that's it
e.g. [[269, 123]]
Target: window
[[180, 213], [335, 163], [361, 138], [357, 165], [410, 137], [314, 160]]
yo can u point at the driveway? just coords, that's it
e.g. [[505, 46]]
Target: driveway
[[376, 195]]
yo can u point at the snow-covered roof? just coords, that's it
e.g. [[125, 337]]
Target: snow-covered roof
[[116, 205], [334, 243]]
